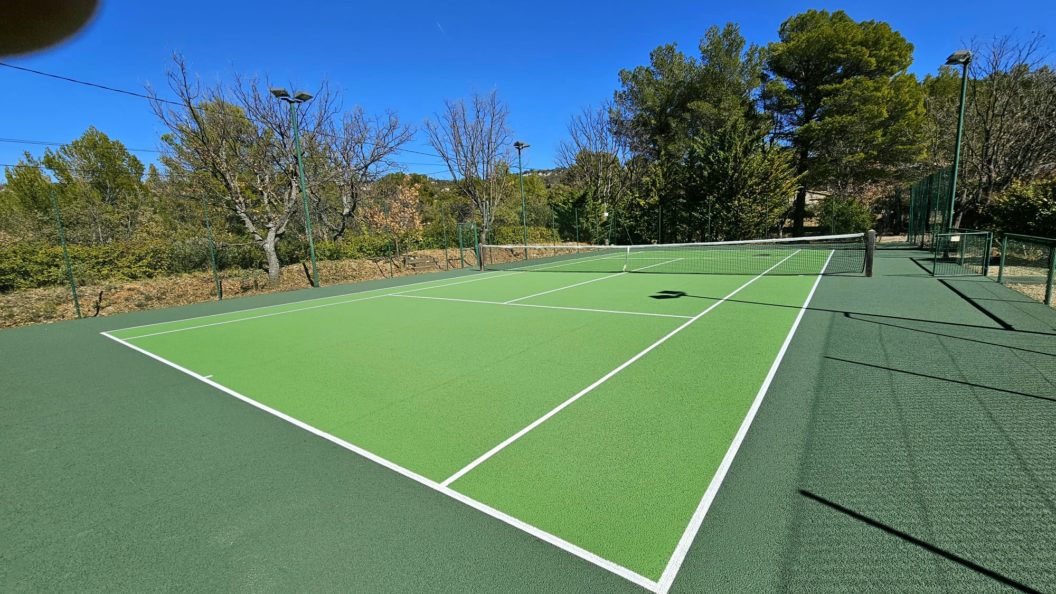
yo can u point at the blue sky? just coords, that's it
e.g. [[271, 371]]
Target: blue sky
[[546, 59]]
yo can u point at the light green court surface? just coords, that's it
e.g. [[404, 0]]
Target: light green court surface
[[457, 382]]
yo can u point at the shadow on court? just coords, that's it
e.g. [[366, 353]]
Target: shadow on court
[[908, 538], [863, 316]]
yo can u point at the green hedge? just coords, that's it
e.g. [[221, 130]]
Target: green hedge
[[29, 264]]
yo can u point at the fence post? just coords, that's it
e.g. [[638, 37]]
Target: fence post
[[576, 211], [461, 247], [212, 249], [65, 252], [476, 247], [659, 222], [989, 253], [1001, 264], [392, 259], [447, 262], [1052, 272]]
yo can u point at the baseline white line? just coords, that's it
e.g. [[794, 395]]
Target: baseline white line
[[542, 535], [667, 578], [593, 280], [608, 311], [484, 457], [313, 299], [310, 307]]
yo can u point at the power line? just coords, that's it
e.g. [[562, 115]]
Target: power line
[[87, 83], [44, 168], [133, 150], [53, 143], [171, 102]]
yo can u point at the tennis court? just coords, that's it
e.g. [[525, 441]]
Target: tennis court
[[595, 408]]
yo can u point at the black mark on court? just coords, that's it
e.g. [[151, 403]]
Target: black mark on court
[[927, 546], [669, 294]]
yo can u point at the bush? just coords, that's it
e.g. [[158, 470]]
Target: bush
[[1028, 208], [843, 215], [32, 264], [514, 235]]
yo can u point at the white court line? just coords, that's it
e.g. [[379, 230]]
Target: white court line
[[608, 311], [667, 578], [593, 280], [542, 535], [495, 450], [313, 299], [310, 307]]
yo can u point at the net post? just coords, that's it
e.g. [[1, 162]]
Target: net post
[[627, 259], [870, 249], [1001, 264]]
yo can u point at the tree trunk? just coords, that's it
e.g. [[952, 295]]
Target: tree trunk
[[274, 268], [799, 209]]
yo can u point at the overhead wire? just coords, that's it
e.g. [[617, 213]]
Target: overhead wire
[[176, 103]]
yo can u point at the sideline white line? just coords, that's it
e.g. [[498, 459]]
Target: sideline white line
[[310, 300], [484, 457], [667, 578], [542, 535], [310, 307], [608, 311], [593, 280]]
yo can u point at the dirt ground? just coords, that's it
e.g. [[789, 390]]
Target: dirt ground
[[52, 304]]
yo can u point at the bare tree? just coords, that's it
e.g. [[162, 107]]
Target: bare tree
[[246, 145], [1013, 113], [474, 143], [360, 150], [594, 156], [1010, 119]]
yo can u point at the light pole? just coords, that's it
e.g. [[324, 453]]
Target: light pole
[[298, 98], [520, 146], [963, 58]]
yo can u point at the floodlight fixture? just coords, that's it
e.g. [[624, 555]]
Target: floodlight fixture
[[959, 58]]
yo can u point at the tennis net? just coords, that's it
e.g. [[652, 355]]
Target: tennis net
[[831, 254]]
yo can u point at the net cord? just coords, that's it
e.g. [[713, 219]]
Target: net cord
[[779, 240]]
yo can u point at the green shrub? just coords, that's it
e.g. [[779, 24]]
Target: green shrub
[[843, 215], [1028, 208], [514, 235]]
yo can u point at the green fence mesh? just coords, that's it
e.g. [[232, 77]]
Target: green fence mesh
[[929, 201], [961, 253], [1028, 265]]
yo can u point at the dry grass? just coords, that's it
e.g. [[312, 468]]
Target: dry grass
[[52, 304], [1034, 290]]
